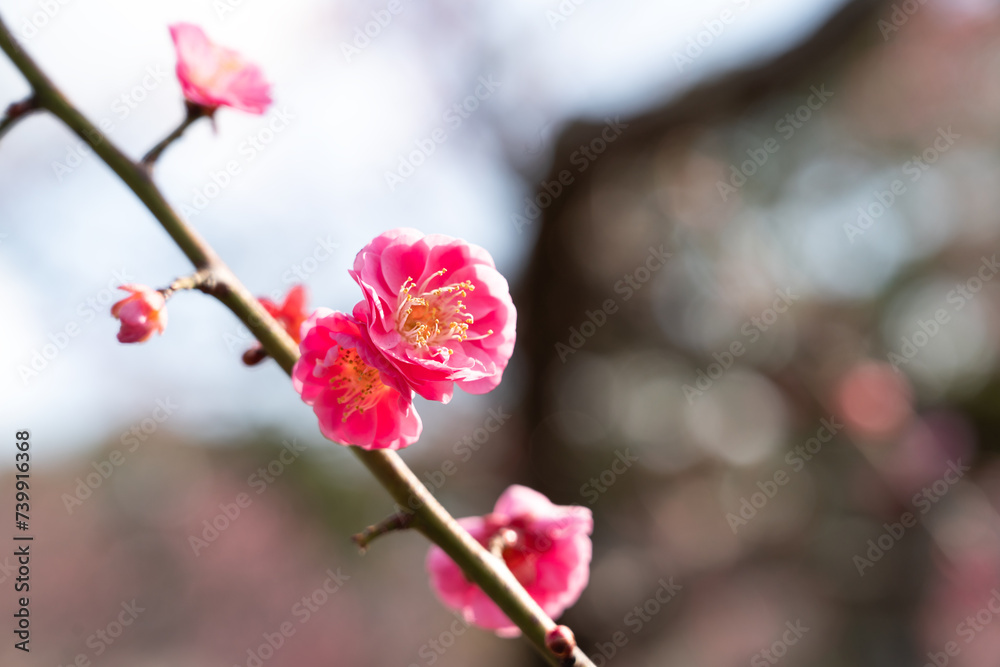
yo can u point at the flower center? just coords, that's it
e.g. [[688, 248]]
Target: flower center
[[520, 559], [360, 385], [213, 76], [432, 319]]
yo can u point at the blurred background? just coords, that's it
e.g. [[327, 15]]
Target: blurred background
[[753, 248]]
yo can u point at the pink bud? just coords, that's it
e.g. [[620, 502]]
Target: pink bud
[[214, 76], [291, 313], [141, 313], [561, 641]]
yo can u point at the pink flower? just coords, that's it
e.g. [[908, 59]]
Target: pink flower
[[292, 311], [291, 314], [359, 398], [214, 76], [141, 313], [547, 547], [438, 309]]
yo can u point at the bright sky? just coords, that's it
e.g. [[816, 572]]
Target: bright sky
[[311, 186]]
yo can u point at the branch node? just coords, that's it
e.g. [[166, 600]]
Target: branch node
[[396, 522], [18, 111], [203, 279], [194, 112]]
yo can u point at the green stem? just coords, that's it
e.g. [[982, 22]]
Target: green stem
[[388, 468], [194, 113]]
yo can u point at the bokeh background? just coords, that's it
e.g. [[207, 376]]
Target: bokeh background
[[753, 249]]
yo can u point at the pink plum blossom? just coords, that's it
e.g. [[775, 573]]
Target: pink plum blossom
[[438, 309], [141, 313], [358, 397], [213, 76], [547, 547], [290, 313]]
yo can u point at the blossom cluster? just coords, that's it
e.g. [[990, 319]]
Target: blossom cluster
[[434, 314]]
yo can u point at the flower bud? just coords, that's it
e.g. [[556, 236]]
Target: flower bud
[[560, 641], [141, 313]]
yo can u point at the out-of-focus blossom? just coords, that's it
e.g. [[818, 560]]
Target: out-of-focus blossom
[[141, 313], [291, 313], [214, 76], [358, 397], [438, 309], [874, 400], [547, 547]]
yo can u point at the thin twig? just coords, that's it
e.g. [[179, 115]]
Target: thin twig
[[194, 113], [203, 279], [390, 524]]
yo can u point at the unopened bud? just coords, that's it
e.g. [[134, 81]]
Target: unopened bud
[[561, 642], [254, 355], [141, 313]]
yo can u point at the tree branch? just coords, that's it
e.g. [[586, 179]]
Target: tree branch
[[388, 468]]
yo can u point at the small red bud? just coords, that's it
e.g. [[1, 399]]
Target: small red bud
[[560, 641], [254, 356]]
